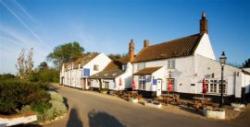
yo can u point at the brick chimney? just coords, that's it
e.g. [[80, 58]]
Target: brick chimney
[[145, 43], [131, 50], [203, 24]]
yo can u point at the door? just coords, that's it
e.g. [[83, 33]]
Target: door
[[170, 84], [159, 87]]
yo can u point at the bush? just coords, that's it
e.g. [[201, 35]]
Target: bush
[[55, 96], [44, 75], [14, 94], [57, 108]]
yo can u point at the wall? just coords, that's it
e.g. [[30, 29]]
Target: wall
[[125, 77], [205, 67], [73, 76], [246, 82], [183, 73], [205, 48]]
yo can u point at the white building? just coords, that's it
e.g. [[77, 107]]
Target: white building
[[184, 63], [117, 75], [76, 73]]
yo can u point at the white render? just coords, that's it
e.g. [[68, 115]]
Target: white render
[[191, 70], [205, 48], [120, 82], [74, 78]]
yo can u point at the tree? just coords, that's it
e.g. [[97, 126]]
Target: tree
[[116, 56], [246, 64], [21, 64], [65, 53], [25, 65], [43, 66]]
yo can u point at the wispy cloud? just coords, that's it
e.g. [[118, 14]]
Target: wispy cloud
[[21, 20]]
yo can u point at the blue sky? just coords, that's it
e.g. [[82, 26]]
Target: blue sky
[[108, 25]]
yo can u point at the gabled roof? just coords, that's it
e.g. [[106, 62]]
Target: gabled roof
[[113, 69], [171, 49], [147, 71], [83, 60], [124, 59], [246, 70]]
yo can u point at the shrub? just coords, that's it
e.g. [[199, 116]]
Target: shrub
[[58, 107], [14, 94], [55, 96]]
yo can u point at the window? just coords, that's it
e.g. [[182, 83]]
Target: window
[[224, 87], [140, 66], [106, 84], [215, 86], [142, 82], [212, 75], [124, 66], [171, 64], [192, 84], [96, 67]]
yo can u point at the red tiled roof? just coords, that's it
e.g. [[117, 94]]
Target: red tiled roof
[[175, 48], [147, 71], [113, 69]]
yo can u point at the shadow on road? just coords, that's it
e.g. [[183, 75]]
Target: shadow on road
[[102, 119], [74, 120]]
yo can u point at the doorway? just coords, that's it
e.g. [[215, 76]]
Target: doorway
[[159, 87]]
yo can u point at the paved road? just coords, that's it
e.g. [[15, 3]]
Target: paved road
[[96, 110]]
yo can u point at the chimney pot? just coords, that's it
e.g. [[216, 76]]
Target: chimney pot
[[145, 43], [131, 50]]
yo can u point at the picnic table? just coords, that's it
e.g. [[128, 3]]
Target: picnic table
[[200, 102], [170, 98]]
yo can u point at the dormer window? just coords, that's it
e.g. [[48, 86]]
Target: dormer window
[[96, 67]]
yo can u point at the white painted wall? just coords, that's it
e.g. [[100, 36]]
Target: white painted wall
[[101, 60], [246, 82], [183, 73], [205, 67], [115, 83], [125, 77], [205, 48], [73, 76]]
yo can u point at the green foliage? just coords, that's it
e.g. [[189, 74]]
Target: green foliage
[[57, 108], [7, 76], [55, 96], [116, 56], [41, 107], [246, 64], [65, 53], [45, 75], [43, 66], [14, 94]]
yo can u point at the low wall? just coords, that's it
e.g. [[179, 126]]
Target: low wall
[[17, 119]]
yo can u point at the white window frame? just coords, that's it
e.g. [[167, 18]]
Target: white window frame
[[171, 64]]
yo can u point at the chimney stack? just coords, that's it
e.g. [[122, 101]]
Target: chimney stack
[[131, 50], [203, 24], [145, 43]]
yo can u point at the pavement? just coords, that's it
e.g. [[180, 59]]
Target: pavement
[[90, 109]]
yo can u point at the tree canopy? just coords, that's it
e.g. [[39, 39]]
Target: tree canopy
[[246, 63], [65, 53]]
